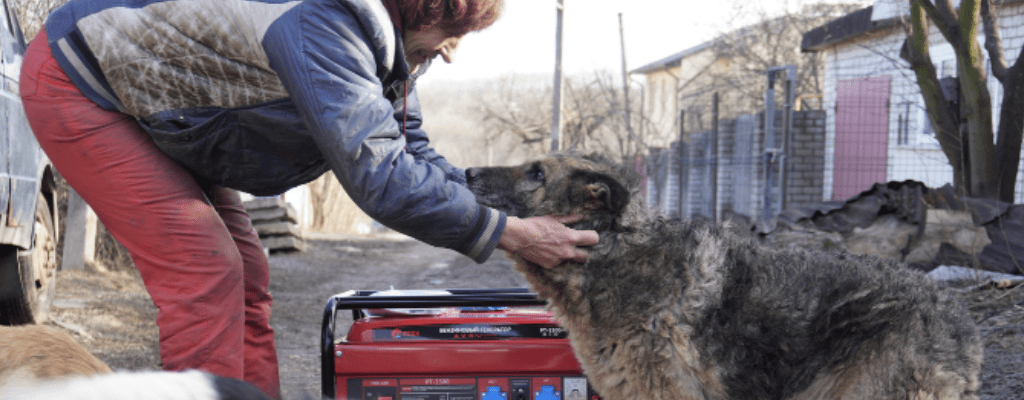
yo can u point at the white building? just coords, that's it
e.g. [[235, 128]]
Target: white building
[[877, 129]]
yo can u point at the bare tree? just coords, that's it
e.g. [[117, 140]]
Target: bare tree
[[515, 113], [743, 55], [981, 166], [32, 14], [333, 210], [519, 109]]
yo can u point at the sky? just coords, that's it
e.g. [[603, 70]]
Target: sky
[[522, 41]]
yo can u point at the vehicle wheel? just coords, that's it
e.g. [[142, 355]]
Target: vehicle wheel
[[37, 270]]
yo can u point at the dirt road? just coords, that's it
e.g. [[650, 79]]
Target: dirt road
[[111, 314]]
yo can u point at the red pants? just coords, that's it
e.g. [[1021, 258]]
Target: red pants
[[199, 257]]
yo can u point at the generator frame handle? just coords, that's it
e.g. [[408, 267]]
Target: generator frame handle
[[357, 300]]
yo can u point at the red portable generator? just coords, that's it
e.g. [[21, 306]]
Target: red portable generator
[[457, 344]]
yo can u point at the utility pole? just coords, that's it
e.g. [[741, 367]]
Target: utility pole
[[775, 154], [788, 126], [680, 157], [556, 113], [625, 86], [714, 158], [771, 149]]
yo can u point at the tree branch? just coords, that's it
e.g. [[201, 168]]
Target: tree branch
[[915, 52], [944, 16], [994, 41]]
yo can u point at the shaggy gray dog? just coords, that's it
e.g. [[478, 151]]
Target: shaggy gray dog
[[671, 309]]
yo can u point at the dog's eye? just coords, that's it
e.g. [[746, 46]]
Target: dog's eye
[[537, 175]]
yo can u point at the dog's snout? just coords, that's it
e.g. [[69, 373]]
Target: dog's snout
[[473, 173]]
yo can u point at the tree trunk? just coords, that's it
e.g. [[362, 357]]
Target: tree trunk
[[1011, 128], [1011, 116], [970, 147], [976, 103]]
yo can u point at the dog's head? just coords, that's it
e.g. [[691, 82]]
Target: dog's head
[[558, 184]]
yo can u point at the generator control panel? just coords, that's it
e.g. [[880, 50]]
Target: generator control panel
[[457, 344], [470, 388]]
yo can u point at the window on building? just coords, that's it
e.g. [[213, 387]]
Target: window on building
[[903, 123], [662, 98], [945, 67]]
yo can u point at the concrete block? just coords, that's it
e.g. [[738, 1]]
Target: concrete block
[[277, 228], [261, 203], [274, 214], [81, 226], [277, 243]]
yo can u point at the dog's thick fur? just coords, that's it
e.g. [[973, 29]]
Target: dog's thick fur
[[675, 309]]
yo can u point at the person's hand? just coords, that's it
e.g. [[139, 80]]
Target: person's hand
[[546, 241]]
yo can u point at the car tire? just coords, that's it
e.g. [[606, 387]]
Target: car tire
[[37, 270]]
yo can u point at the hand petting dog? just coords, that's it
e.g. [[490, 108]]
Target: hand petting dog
[[546, 241]]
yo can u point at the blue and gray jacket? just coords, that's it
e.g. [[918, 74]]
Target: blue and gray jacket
[[264, 95]]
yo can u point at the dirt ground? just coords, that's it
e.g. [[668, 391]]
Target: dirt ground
[[111, 314]]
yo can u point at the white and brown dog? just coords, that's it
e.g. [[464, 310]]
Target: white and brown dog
[[43, 363]]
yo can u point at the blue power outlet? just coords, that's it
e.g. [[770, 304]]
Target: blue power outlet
[[547, 392], [493, 393]]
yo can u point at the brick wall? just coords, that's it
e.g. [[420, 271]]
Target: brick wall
[[807, 158]]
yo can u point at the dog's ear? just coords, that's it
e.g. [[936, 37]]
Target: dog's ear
[[595, 191]]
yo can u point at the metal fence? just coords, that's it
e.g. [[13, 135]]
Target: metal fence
[[727, 172]]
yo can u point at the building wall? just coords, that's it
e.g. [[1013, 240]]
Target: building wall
[[698, 87], [661, 105], [913, 151], [664, 89]]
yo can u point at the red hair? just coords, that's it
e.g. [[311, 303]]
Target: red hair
[[456, 17]]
